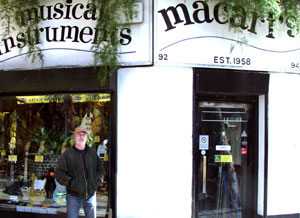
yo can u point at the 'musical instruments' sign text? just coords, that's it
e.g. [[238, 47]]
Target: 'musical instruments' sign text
[[67, 32]]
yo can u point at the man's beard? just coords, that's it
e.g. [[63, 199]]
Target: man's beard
[[80, 141]]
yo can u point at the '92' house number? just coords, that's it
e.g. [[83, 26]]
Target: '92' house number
[[162, 57]]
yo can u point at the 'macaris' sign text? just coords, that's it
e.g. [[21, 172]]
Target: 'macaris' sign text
[[201, 14]]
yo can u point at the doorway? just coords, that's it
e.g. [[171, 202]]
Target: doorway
[[226, 157], [225, 143]]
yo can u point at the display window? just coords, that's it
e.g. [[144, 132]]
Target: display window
[[34, 131]]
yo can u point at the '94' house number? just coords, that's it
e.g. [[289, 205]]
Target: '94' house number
[[295, 65]]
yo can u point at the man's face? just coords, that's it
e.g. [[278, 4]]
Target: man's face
[[80, 138]]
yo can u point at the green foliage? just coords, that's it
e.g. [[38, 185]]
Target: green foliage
[[109, 24], [52, 141], [13, 17], [273, 10]]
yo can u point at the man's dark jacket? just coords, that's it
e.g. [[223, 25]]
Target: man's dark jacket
[[70, 172]]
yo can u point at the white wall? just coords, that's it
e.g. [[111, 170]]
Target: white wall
[[284, 144], [154, 177]]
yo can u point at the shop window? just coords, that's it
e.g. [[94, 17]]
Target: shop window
[[34, 131]]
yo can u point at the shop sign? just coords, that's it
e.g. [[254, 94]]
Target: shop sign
[[96, 139], [203, 142], [76, 98], [244, 143], [3, 153], [244, 134], [194, 33], [203, 152], [39, 158], [12, 158], [14, 198], [223, 147], [67, 33], [244, 150], [223, 158]]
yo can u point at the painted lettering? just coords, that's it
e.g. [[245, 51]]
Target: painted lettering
[[217, 13], [125, 36], [68, 10], [289, 22], [69, 33], [86, 31], [253, 23], [205, 10], [53, 31], [239, 18], [58, 11], [90, 13], [9, 44], [181, 13], [175, 13], [73, 33], [27, 15], [21, 40], [74, 11], [49, 14]]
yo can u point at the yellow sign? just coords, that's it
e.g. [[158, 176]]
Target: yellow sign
[[96, 138], [223, 158], [3, 153], [12, 158], [2, 115], [60, 98], [105, 157], [39, 158]]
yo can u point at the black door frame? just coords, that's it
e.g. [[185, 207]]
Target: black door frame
[[228, 85], [252, 162]]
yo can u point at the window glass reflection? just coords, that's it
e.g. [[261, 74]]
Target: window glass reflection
[[35, 130]]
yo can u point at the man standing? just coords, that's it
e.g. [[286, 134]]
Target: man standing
[[81, 171]]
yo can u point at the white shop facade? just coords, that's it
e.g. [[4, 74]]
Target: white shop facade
[[200, 121]]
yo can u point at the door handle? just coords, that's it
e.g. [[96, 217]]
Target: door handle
[[203, 194], [204, 175]]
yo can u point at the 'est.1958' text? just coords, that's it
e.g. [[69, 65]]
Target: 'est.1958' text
[[231, 60]]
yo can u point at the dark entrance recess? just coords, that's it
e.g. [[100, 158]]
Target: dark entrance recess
[[225, 138], [52, 81]]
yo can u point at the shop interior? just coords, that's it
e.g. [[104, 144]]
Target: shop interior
[[34, 131]]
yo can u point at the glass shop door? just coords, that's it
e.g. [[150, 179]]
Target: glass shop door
[[226, 156]]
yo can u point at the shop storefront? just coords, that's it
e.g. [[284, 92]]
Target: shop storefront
[[43, 101], [197, 121], [38, 122]]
